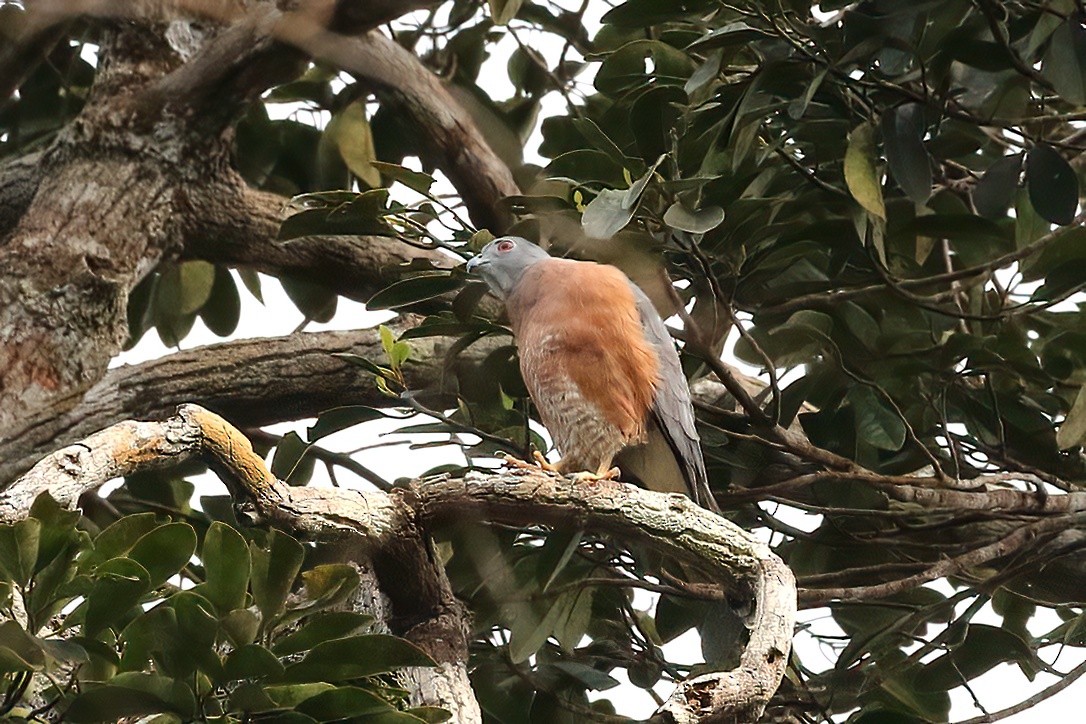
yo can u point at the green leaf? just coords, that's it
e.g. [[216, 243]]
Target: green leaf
[[241, 626], [273, 573], [119, 584], [642, 13], [586, 675], [251, 279], [502, 11], [414, 290], [731, 34], [430, 714], [414, 180], [19, 550], [356, 656], [320, 628], [19, 651], [1053, 186], [195, 281], [876, 423], [349, 131], [861, 175], [678, 216], [313, 300], [164, 551], [292, 695], [341, 418], [1065, 61], [342, 702], [633, 194], [65, 651], [326, 585], [57, 531], [995, 191], [225, 556], [574, 618], [983, 648], [645, 673], [251, 662], [624, 69], [1028, 224], [883, 716], [606, 214], [555, 554], [151, 636], [223, 308], [903, 131], [387, 339], [132, 695], [1072, 432], [116, 540], [798, 107], [586, 164], [197, 628], [705, 72], [601, 141], [290, 463]]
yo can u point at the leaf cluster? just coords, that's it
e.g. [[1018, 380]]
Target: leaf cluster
[[187, 619]]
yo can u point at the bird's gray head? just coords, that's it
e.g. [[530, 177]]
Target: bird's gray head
[[502, 262]]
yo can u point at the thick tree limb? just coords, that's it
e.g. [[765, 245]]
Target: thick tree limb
[[458, 148], [238, 226], [255, 381], [389, 522]]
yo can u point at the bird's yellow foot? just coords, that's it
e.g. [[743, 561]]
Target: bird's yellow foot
[[590, 477], [540, 463], [544, 463]]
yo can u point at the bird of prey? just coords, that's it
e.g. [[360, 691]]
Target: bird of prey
[[600, 367]]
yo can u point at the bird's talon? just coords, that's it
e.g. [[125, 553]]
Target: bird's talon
[[544, 463], [590, 477], [511, 461], [541, 463]]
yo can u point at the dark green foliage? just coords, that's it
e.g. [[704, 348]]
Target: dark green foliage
[[231, 646]]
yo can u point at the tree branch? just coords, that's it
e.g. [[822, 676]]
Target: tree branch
[[1014, 541], [238, 226], [255, 381], [671, 524], [392, 524], [458, 147]]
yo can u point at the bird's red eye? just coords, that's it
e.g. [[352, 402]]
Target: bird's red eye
[[504, 246]]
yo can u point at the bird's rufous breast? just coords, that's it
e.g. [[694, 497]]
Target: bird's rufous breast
[[577, 322]]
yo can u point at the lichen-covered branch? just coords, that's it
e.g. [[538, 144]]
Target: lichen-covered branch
[[673, 525], [392, 527]]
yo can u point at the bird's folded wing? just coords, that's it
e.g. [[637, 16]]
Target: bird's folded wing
[[672, 407]]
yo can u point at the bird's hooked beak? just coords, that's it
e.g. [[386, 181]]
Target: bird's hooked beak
[[474, 263]]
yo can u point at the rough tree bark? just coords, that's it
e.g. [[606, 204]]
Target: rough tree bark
[[157, 128], [392, 529]]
